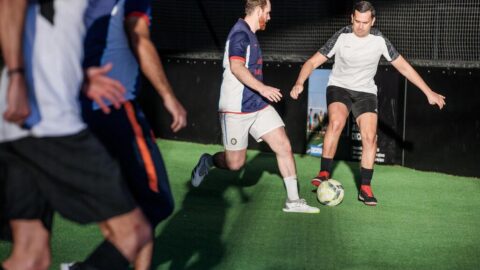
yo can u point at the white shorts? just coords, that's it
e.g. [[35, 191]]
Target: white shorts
[[236, 126]]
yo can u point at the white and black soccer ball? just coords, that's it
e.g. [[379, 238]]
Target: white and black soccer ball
[[330, 192]]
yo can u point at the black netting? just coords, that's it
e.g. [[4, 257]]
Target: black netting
[[440, 33]]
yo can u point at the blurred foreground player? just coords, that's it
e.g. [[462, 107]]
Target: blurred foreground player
[[53, 163], [118, 32]]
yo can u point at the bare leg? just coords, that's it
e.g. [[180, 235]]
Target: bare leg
[[368, 130], [230, 160], [128, 233], [31, 246], [144, 258], [280, 144], [337, 115]]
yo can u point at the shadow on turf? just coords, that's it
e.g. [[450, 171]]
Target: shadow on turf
[[191, 239]]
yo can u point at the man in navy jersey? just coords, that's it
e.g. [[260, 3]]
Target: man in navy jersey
[[118, 32], [357, 49], [51, 161], [244, 108]]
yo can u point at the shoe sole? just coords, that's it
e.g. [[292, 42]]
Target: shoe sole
[[360, 198], [290, 211]]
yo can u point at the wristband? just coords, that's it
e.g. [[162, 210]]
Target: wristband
[[19, 70]]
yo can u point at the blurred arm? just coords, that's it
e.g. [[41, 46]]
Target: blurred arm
[[12, 17], [151, 66]]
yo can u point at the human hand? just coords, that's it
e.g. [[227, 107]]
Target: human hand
[[99, 87], [271, 93], [297, 89], [436, 99], [18, 108], [178, 113]]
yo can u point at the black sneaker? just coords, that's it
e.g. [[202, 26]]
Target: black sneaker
[[322, 176], [366, 196]]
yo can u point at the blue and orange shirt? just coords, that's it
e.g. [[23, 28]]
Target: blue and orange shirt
[[235, 97], [107, 40]]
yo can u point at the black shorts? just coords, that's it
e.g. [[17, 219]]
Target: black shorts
[[73, 175], [357, 102], [5, 232], [128, 138]]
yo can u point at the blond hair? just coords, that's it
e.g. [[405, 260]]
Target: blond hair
[[250, 5]]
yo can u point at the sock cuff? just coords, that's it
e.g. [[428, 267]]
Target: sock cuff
[[290, 178], [366, 176], [106, 256], [326, 164]]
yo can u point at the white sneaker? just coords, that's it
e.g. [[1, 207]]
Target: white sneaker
[[200, 170], [68, 266], [300, 206]]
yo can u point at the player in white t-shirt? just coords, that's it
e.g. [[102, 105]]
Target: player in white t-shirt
[[357, 49]]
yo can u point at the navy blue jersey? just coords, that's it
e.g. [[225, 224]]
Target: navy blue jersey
[[107, 40], [235, 97]]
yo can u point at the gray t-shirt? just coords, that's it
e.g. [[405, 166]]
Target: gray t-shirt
[[356, 58]]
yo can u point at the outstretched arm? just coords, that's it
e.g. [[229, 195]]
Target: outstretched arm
[[409, 72], [151, 66], [315, 61], [12, 16]]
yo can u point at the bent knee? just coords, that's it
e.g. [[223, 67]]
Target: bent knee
[[337, 125], [284, 148], [235, 164], [369, 139], [133, 230]]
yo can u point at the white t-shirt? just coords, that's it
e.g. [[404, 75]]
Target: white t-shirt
[[356, 58], [53, 53]]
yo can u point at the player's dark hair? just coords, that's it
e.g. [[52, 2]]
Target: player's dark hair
[[364, 6], [250, 5]]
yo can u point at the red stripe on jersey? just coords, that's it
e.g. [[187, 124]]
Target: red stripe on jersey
[[140, 15], [244, 112], [238, 58]]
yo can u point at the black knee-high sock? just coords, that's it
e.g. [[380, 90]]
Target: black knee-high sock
[[366, 175], [106, 256], [326, 165]]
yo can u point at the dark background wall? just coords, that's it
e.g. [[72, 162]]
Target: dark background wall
[[448, 140], [411, 132], [440, 38]]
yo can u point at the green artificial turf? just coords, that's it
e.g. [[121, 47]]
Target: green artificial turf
[[234, 220]]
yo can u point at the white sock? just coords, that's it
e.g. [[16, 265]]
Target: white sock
[[291, 185]]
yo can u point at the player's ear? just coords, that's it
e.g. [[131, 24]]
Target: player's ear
[[258, 11], [352, 18], [373, 21]]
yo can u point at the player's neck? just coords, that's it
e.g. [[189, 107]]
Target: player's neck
[[252, 23]]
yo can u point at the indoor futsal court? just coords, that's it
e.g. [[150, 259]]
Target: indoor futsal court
[[422, 135]]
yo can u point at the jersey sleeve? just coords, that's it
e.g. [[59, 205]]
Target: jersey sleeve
[[138, 8], [238, 46], [329, 48], [388, 51]]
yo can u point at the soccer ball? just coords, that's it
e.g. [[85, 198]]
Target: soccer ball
[[330, 192]]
